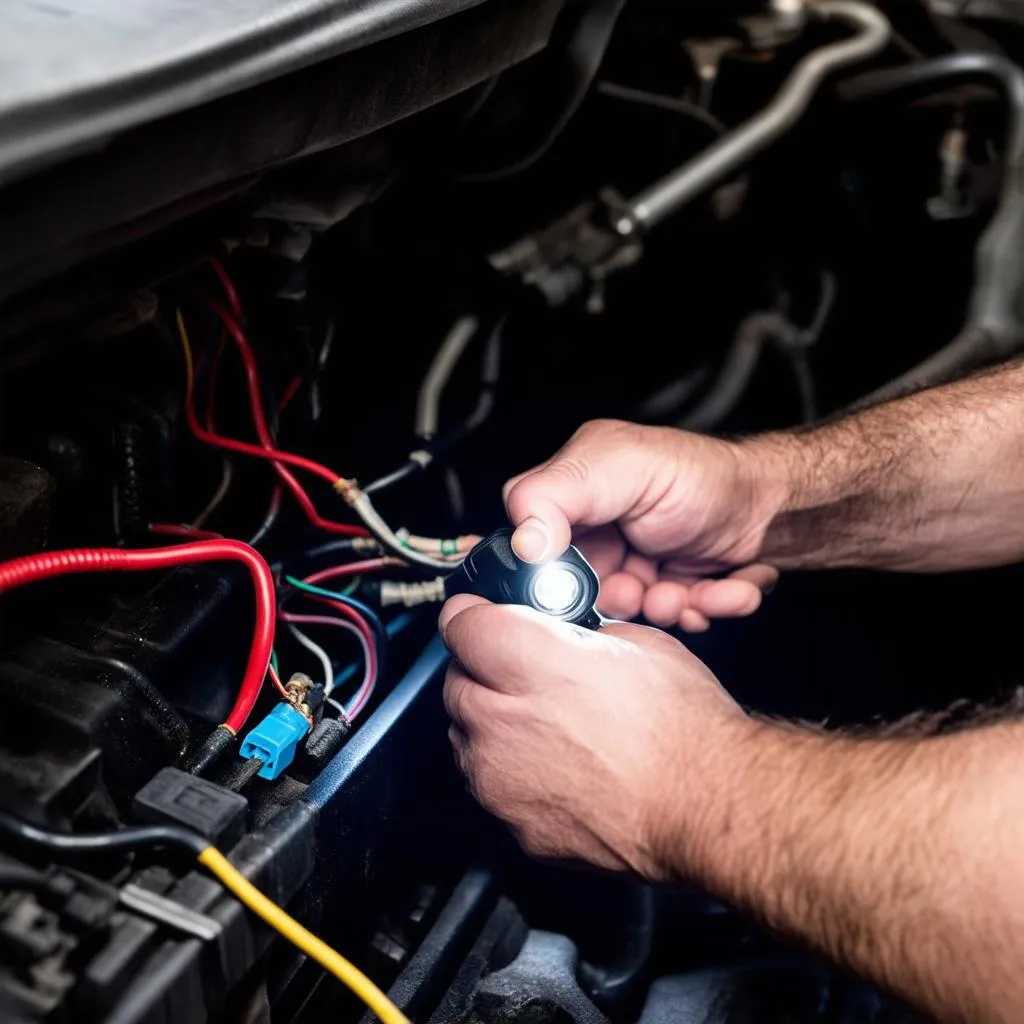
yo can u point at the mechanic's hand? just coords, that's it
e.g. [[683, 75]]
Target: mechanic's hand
[[654, 509], [591, 745]]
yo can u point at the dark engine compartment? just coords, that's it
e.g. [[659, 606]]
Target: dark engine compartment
[[430, 168]]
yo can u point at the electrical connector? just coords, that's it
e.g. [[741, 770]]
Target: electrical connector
[[411, 594], [275, 740]]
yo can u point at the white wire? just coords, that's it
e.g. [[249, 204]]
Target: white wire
[[327, 620], [227, 474], [321, 654], [428, 402], [373, 520]]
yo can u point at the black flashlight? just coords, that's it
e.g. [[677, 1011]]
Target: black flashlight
[[566, 588]]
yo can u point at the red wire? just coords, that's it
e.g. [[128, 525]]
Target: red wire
[[290, 392], [20, 571], [352, 569], [350, 613], [278, 685], [230, 291], [181, 530], [267, 449]]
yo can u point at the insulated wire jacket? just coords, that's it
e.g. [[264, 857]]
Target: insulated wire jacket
[[64, 847], [32, 568]]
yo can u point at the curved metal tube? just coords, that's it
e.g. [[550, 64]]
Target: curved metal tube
[[736, 148]]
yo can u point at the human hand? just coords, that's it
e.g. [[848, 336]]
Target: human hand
[[654, 510], [591, 746]]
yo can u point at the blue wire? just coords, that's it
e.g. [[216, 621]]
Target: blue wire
[[368, 613], [394, 627], [380, 633]]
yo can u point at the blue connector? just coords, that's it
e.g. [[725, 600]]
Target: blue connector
[[275, 740]]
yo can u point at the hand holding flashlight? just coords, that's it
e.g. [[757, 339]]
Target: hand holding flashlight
[[565, 589], [656, 511]]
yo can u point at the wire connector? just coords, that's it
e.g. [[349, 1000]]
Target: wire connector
[[275, 740], [411, 594]]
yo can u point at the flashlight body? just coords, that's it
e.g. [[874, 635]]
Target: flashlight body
[[494, 571]]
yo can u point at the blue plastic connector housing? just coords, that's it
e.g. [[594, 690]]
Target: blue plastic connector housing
[[275, 740]]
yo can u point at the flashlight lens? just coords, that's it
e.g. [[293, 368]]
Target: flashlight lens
[[555, 589]]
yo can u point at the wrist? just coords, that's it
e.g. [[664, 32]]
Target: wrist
[[692, 821], [775, 467]]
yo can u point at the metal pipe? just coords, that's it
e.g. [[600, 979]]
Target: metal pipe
[[736, 148]]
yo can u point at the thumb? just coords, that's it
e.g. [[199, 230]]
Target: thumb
[[596, 478]]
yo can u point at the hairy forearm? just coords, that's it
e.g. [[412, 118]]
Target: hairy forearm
[[899, 858], [931, 482]]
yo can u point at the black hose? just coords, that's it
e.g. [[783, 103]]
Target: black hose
[[993, 329], [62, 847], [18, 876]]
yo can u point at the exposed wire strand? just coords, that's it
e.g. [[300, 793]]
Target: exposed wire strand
[[278, 685], [370, 665]]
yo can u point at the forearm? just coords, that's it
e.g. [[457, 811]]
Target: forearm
[[899, 858], [931, 482]]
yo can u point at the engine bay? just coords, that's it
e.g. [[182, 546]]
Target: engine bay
[[285, 297]]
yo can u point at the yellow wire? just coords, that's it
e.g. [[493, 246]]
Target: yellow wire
[[187, 349], [347, 973]]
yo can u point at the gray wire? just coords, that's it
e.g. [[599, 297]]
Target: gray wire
[[669, 103], [428, 403], [737, 147], [738, 368], [993, 329]]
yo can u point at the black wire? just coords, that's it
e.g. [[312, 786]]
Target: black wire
[[670, 103], [342, 545], [16, 876], [490, 371], [67, 847]]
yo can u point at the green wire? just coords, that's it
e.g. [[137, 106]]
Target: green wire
[[319, 591], [352, 587], [273, 660]]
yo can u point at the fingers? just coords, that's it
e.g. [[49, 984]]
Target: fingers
[[509, 648], [686, 601], [595, 479], [621, 597], [604, 548], [464, 699]]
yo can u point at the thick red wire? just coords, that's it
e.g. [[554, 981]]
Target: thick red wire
[[21, 571]]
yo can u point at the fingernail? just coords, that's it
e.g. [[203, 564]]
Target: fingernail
[[530, 541]]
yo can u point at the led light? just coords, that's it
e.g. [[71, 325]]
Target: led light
[[555, 589], [566, 589]]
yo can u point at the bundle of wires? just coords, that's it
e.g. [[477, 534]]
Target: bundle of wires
[[61, 847], [408, 549], [356, 618]]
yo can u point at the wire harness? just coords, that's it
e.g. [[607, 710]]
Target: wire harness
[[67, 847]]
